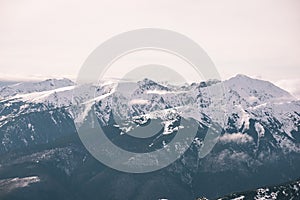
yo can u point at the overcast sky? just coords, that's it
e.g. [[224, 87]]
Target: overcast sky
[[48, 38]]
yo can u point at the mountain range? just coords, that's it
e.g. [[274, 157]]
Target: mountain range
[[42, 156]]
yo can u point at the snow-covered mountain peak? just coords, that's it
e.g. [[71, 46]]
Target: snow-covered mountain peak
[[259, 138], [30, 87], [256, 91], [148, 84]]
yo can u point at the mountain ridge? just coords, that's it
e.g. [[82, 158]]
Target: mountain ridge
[[260, 131]]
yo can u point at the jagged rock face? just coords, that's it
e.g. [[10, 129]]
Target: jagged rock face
[[27, 125], [261, 132]]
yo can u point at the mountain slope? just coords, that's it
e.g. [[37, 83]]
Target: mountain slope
[[29, 87], [260, 136]]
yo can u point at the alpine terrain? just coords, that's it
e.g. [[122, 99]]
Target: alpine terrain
[[42, 156]]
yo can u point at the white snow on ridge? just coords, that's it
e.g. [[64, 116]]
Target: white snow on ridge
[[250, 88], [30, 87], [7, 185], [86, 106], [239, 198], [38, 97], [245, 97]]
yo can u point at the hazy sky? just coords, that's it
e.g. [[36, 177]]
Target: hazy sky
[[45, 38]]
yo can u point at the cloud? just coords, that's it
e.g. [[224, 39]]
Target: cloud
[[236, 137], [138, 102], [290, 85], [34, 77], [162, 92]]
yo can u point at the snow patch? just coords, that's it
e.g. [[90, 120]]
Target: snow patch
[[13, 183], [259, 129]]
